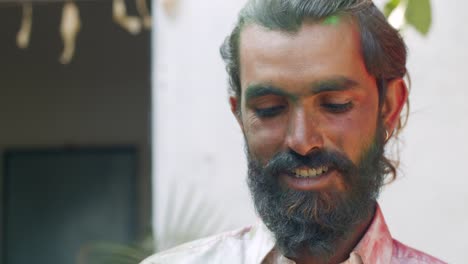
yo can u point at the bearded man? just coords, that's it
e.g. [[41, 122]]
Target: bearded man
[[317, 88]]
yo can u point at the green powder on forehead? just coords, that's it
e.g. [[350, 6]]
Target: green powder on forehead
[[331, 20]]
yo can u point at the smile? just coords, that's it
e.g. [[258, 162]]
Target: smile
[[311, 178], [310, 172]]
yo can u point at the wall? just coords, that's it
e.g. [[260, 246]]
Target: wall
[[198, 145], [427, 207]]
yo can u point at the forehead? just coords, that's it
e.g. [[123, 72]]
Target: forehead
[[317, 51]]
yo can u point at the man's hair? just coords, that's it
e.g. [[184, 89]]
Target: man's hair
[[382, 48]]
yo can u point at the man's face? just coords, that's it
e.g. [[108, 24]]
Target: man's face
[[304, 92], [310, 117]]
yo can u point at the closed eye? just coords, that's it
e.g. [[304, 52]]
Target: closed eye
[[338, 108], [269, 111]]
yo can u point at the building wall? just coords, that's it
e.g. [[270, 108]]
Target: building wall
[[199, 147]]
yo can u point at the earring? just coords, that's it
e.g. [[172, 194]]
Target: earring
[[387, 135]]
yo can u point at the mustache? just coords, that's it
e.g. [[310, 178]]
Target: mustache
[[287, 161]]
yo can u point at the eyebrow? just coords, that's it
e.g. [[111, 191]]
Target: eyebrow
[[259, 90], [333, 84]]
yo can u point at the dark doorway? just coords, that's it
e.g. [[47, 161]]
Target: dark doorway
[[57, 201]]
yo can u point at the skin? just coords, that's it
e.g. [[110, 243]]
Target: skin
[[310, 90]]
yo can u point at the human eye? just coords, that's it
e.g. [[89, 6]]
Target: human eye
[[337, 108], [272, 111]]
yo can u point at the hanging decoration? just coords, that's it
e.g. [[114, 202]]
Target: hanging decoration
[[69, 28], [143, 10], [70, 24], [24, 34], [130, 23]]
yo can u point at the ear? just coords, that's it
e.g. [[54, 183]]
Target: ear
[[236, 111], [394, 101]]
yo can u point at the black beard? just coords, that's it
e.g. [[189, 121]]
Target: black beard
[[315, 221]]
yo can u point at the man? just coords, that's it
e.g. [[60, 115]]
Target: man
[[317, 88]]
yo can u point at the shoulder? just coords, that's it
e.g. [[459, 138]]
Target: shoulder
[[207, 250], [403, 254]]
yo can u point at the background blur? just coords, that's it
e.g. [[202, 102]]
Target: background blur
[[131, 148], [74, 138]]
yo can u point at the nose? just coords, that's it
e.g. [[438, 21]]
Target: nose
[[304, 135]]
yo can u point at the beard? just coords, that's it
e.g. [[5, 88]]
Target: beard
[[316, 220]]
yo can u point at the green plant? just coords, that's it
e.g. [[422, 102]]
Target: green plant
[[415, 13], [188, 216], [114, 253]]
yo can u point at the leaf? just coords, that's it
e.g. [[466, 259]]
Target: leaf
[[390, 6], [187, 218], [419, 15], [112, 253]]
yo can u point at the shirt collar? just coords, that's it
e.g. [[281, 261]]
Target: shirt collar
[[374, 247], [263, 242]]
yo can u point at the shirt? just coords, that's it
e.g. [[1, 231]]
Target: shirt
[[256, 245]]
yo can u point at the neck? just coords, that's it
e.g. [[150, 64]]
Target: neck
[[343, 247]]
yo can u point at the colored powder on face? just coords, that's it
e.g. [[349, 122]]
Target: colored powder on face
[[331, 20]]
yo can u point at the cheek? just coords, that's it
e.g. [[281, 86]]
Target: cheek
[[264, 137], [355, 133]]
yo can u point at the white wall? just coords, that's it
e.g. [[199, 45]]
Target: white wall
[[199, 147], [428, 206]]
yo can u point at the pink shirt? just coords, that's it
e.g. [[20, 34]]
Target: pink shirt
[[256, 245]]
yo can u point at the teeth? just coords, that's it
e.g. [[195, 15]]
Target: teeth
[[319, 170], [305, 173]]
